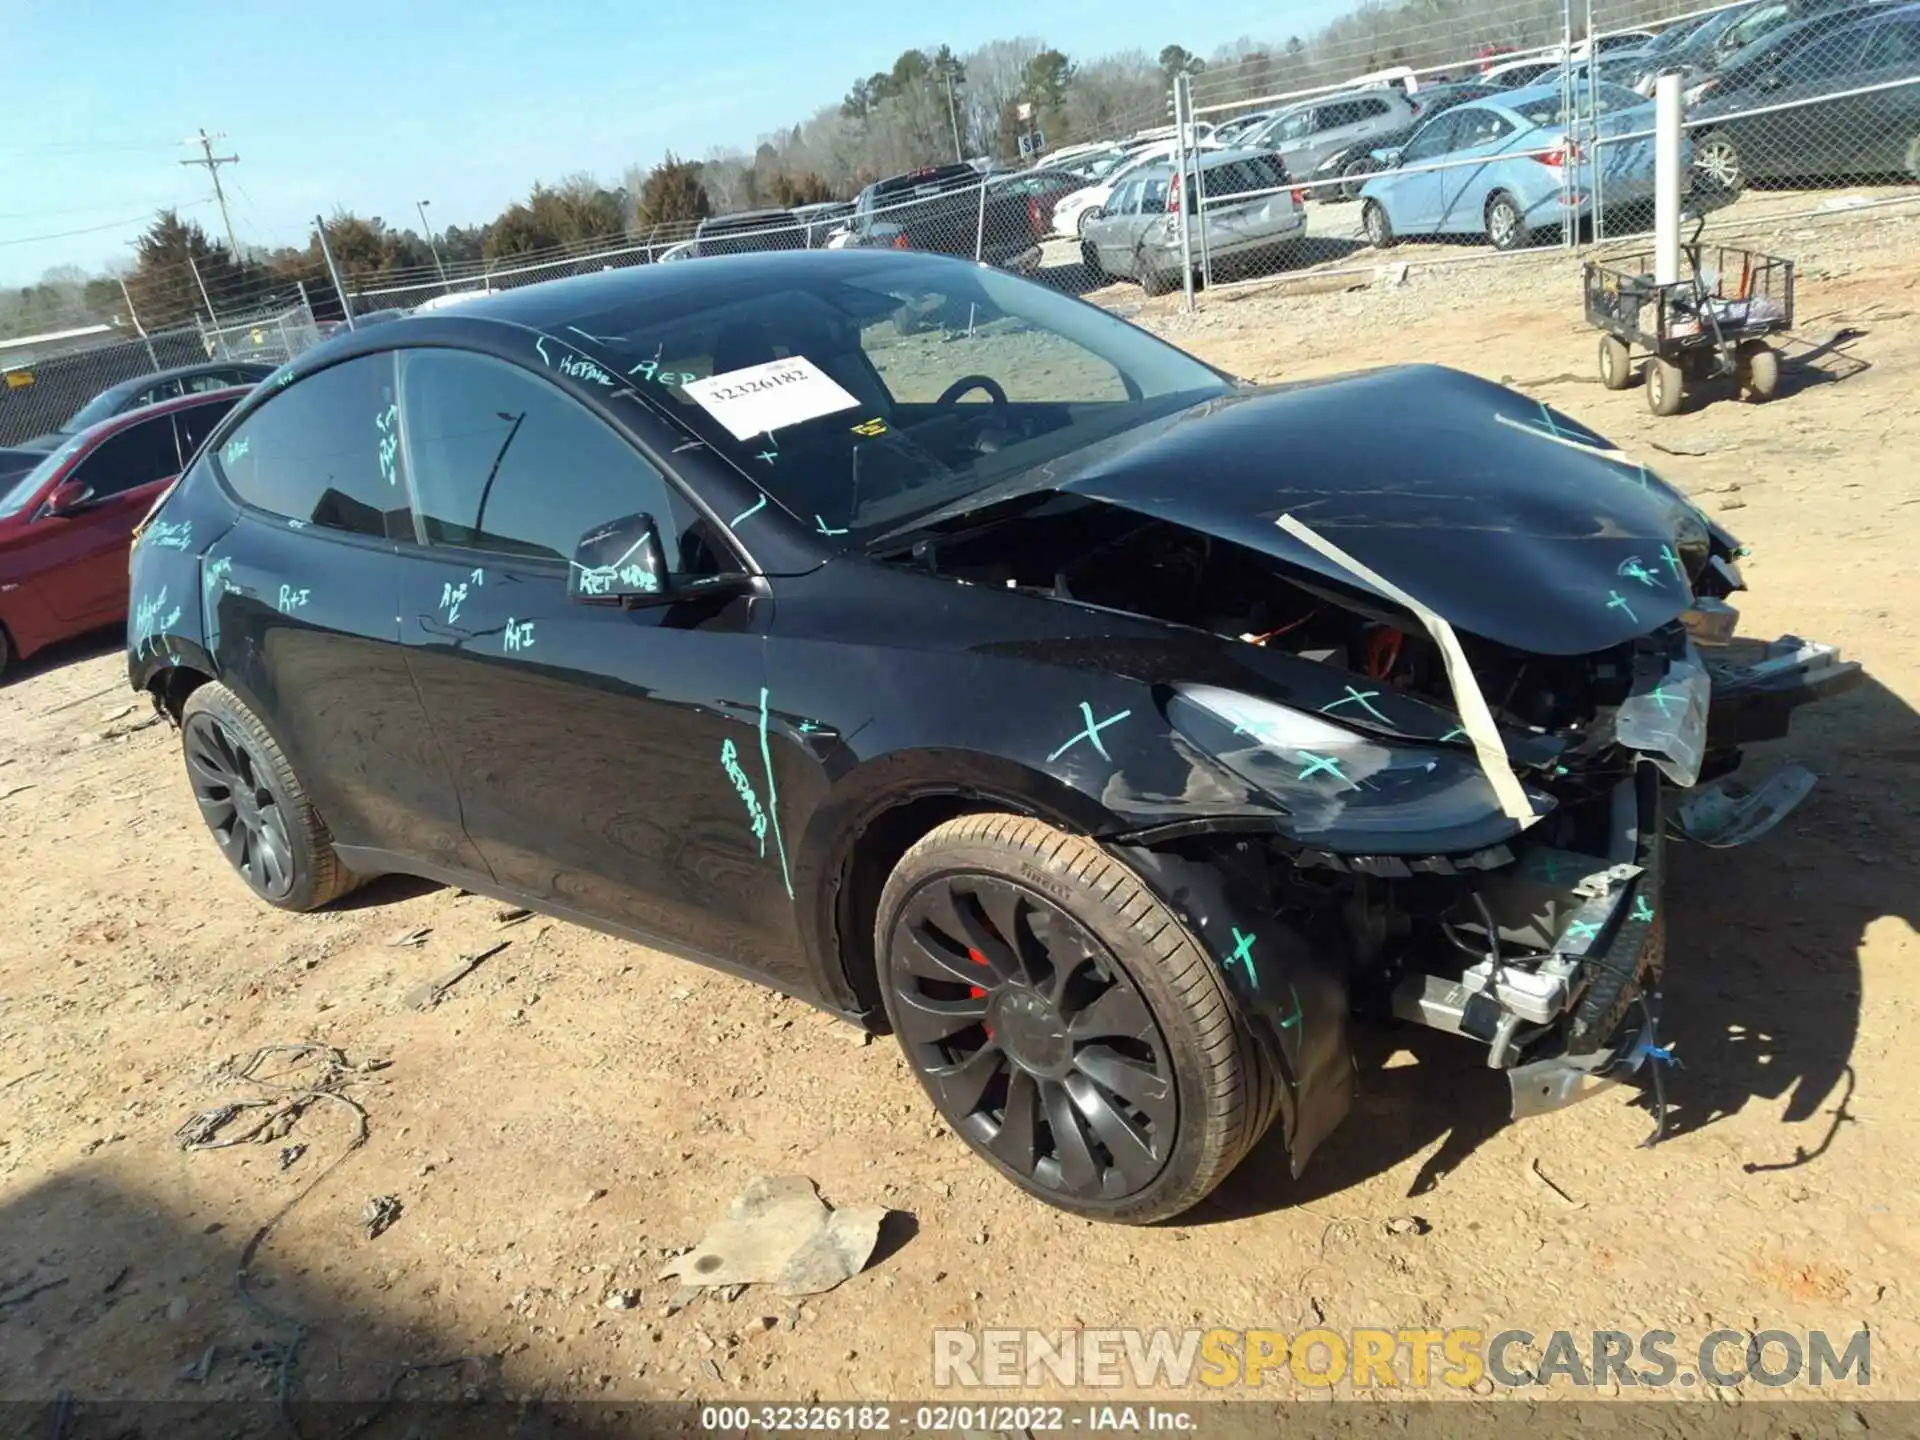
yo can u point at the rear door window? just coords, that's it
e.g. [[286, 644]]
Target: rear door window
[[138, 455], [326, 451], [1482, 127]]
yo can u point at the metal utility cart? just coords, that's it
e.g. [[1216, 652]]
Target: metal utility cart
[[1714, 322]]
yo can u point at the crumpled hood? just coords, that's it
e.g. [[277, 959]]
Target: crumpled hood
[[1476, 500]]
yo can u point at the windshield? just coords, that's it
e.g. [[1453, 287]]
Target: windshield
[[895, 384], [1673, 35], [28, 485]]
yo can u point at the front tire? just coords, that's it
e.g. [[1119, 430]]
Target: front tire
[[1616, 363], [255, 806], [1065, 1023], [1718, 158], [1090, 259], [1666, 386], [1373, 218]]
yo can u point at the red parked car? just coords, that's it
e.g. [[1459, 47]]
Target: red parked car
[[66, 524]]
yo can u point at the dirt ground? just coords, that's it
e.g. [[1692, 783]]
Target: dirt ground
[[577, 1109]]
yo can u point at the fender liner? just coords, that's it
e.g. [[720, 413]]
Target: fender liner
[[1294, 996]]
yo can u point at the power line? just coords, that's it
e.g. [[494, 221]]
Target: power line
[[213, 163], [91, 229]]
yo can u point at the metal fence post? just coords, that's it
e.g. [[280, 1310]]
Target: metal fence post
[[980, 225], [1667, 132], [1569, 211], [333, 269], [213, 316], [1598, 205], [138, 328], [1182, 109]]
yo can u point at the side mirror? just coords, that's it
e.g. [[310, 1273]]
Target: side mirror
[[1772, 80], [1098, 212], [1390, 157], [70, 498], [624, 563], [620, 563]]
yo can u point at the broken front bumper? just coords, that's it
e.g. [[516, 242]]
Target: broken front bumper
[[1581, 1011], [1587, 1006]]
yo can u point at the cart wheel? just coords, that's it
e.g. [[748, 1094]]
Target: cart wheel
[[1759, 370], [1666, 386], [1616, 363]]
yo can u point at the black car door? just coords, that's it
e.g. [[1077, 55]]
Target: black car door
[[597, 749], [300, 605]]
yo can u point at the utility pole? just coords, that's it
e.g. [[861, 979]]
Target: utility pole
[[953, 113], [421, 206], [213, 163]]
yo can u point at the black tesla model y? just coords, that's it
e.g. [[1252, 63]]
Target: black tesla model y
[[961, 657]]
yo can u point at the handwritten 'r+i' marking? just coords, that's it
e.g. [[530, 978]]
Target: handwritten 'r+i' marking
[[1092, 732], [1641, 909], [1617, 601]]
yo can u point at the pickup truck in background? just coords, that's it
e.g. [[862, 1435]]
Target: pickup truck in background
[[938, 208], [747, 231]]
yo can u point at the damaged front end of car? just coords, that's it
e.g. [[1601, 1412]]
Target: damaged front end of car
[[1478, 698]]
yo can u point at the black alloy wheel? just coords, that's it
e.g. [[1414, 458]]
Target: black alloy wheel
[[239, 806], [1036, 1043], [255, 805]]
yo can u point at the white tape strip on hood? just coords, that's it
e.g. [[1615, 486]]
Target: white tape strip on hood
[[1475, 718]]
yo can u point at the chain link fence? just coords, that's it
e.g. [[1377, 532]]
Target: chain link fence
[[41, 388]]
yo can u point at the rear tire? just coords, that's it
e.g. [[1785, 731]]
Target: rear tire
[[1354, 175], [1153, 283], [1373, 219], [1616, 363], [255, 806], [1065, 1023], [1666, 386], [6, 652], [1506, 224]]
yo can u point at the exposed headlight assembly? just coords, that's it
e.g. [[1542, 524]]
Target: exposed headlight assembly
[[1344, 791]]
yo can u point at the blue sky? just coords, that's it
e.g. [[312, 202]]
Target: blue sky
[[462, 102]]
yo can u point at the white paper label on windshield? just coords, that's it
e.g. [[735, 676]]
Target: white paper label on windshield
[[767, 397]]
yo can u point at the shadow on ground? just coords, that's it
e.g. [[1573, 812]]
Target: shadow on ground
[[1762, 993], [63, 653], [121, 1319]]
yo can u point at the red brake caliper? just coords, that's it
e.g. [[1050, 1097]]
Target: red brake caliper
[[975, 992]]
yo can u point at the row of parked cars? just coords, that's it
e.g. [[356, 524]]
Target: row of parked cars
[[1775, 89]]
